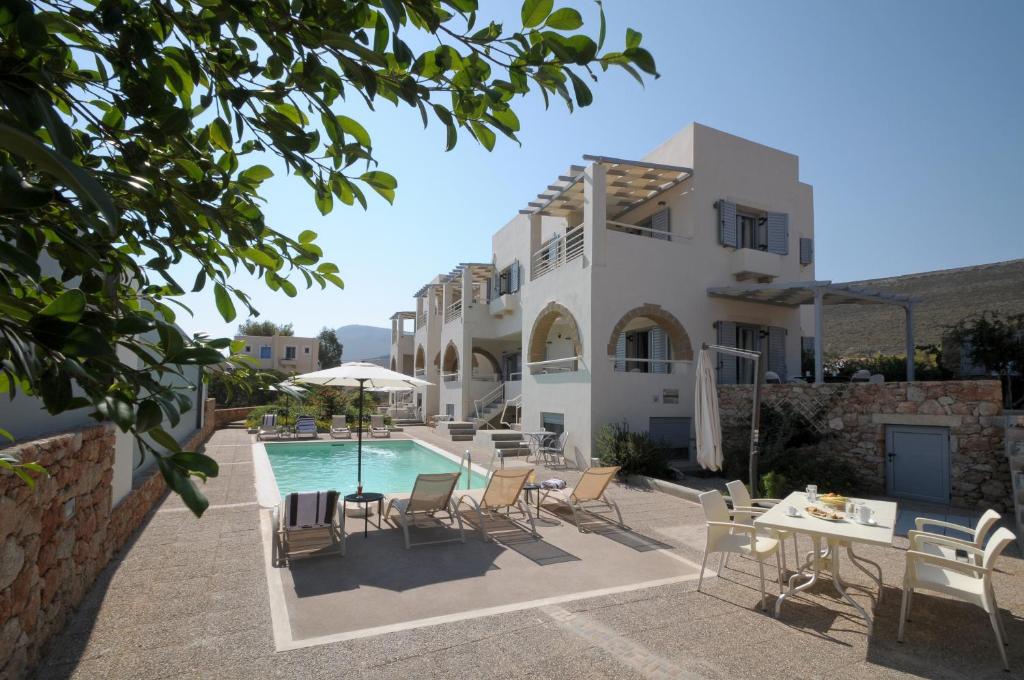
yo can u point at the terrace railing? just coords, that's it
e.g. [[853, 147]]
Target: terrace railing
[[646, 232], [557, 252], [453, 312], [563, 365]]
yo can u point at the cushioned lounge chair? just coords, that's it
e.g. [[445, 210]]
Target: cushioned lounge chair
[[308, 523], [305, 426], [504, 491], [339, 428], [378, 428], [268, 428], [432, 494]]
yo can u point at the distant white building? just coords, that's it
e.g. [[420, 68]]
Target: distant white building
[[284, 353], [598, 294]]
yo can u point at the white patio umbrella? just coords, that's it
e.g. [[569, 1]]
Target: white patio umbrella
[[708, 427], [364, 376]]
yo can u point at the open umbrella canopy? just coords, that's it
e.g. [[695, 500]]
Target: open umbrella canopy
[[708, 428], [360, 374]]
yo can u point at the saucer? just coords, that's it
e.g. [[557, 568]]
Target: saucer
[[870, 523]]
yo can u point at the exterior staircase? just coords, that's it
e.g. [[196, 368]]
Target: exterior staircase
[[462, 432], [509, 444]]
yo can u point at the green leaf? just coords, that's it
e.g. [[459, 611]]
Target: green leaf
[[220, 134], [381, 182], [148, 415], [256, 174], [307, 236], [633, 38], [584, 97], [160, 436], [224, 304], [564, 19], [483, 134], [177, 479], [354, 128], [68, 307], [535, 11], [196, 462], [190, 167]]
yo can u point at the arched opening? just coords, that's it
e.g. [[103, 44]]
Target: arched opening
[[421, 360], [648, 339], [555, 340], [485, 365], [393, 364], [437, 361], [450, 363]]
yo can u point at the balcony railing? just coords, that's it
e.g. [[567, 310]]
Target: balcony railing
[[421, 320], [646, 232], [563, 365], [454, 311], [419, 372], [450, 377], [557, 252]]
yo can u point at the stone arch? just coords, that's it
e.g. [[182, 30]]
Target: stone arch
[[542, 326], [450, 363], [679, 339], [495, 364], [421, 359]]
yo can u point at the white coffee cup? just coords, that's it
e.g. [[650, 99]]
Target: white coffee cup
[[864, 514], [792, 511]]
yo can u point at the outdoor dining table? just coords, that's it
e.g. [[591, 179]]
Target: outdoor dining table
[[836, 535], [536, 439]]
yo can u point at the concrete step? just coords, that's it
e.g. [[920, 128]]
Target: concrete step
[[462, 437], [236, 425], [508, 444], [513, 453], [506, 436]]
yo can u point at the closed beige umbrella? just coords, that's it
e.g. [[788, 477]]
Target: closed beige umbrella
[[708, 431]]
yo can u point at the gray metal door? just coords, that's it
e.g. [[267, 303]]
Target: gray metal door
[[917, 462]]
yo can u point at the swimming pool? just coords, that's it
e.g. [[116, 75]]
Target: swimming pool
[[388, 466]]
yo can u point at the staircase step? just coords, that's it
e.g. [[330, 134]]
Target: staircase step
[[462, 437], [513, 453], [508, 444], [507, 436]]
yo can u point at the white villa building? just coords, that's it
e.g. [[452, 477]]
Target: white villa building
[[598, 294]]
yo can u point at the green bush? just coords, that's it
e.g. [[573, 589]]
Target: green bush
[[635, 452], [774, 485], [322, 403]]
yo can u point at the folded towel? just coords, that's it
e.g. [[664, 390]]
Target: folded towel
[[310, 509], [553, 484]]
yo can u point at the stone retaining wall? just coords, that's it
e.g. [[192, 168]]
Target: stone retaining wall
[[56, 538], [857, 414], [224, 416]]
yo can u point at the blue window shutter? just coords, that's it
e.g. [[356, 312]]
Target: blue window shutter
[[658, 339], [660, 222], [726, 364], [778, 233], [777, 351], [727, 232], [806, 251], [513, 275], [620, 353]]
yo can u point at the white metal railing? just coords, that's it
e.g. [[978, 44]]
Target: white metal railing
[[419, 372], [557, 251], [624, 228], [563, 365], [494, 396], [467, 460], [454, 311], [518, 375], [516, 404], [450, 377], [654, 363], [421, 320]]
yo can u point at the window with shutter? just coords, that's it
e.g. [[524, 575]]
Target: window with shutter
[[726, 336], [620, 353], [727, 233], [806, 251], [514, 277], [778, 233], [659, 350], [777, 351], [660, 223]]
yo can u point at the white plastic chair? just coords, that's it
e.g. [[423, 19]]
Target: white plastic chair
[[727, 536], [745, 509], [967, 582], [979, 533]]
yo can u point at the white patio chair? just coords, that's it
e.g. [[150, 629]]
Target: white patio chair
[[268, 428], [772, 378], [745, 509], [339, 428], [727, 536], [301, 524], [554, 449], [863, 375], [431, 494], [378, 428], [967, 582], [979, 533]]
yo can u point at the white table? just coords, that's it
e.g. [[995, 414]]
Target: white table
[[835, 535], [536, 439]]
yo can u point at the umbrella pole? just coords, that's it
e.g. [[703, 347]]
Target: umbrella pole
[[359, 451]]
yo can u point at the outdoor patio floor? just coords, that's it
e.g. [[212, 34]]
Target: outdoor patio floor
[[190, 598]]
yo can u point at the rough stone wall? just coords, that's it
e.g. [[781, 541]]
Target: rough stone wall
[[857, 414], [49, 560], [224, 416]]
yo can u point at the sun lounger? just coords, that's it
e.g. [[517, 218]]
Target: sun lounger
[[378, 428], [309, 524], [305, 426], [588, 495], [339, 428], [268, 428], [503, 492], [431, 494]]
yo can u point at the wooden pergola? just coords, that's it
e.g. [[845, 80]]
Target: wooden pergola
[[819, 294]]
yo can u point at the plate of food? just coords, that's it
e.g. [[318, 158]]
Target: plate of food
[[825, 514], [833, 500]]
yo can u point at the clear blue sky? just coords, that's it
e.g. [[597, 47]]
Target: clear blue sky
[[908, 118]]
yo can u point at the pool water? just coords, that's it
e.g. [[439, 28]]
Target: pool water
[[388, 466]]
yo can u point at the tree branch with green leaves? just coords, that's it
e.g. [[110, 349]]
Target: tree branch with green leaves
[[129, 139]]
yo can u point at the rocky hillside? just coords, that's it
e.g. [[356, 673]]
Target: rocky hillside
[[947, 296]]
